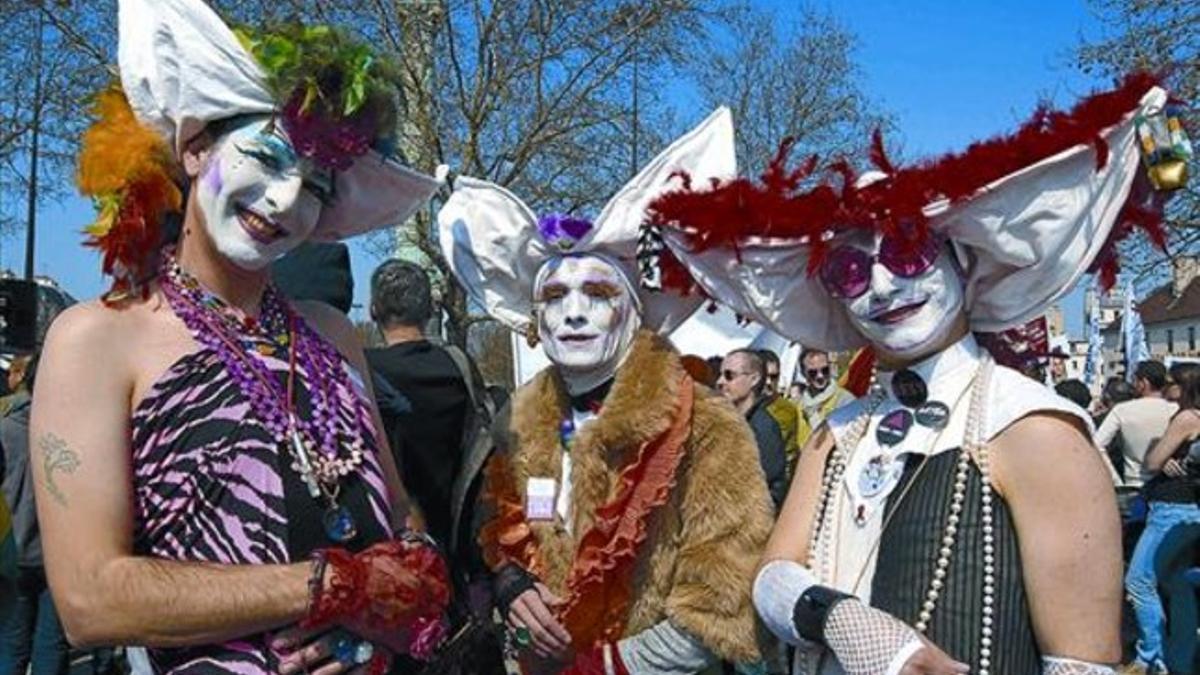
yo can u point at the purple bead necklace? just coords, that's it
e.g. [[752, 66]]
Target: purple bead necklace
[[242, 343]]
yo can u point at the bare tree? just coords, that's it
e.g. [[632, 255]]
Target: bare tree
[[1162, 37], [560, 100], [796, 80]]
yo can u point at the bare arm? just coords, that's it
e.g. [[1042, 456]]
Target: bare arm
[[1183, 428], [81, 460], [336, 328], [1065, 513], [789, 538]]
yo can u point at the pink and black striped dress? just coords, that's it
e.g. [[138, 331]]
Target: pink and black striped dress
[[212, 485]]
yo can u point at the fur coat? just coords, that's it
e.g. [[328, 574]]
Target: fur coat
[[701, 544]]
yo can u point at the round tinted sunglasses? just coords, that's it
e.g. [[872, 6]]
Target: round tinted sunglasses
[[846, 272]]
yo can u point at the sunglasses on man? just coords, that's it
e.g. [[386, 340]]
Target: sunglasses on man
[[811, 373]]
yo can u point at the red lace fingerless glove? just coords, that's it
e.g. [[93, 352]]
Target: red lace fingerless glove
[[603, 659], [389, 585]]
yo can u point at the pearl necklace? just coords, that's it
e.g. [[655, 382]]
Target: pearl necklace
[[974, 444]]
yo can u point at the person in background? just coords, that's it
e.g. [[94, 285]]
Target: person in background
[[795, 391], [316, 270], [1074, 391], [784, 412], [1139, 422], [31, 636], [425, 423], [1116, 390], [1173, 498], [821, 394], [742, 382]]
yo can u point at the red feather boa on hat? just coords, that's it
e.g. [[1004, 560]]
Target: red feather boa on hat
[[726, 213]]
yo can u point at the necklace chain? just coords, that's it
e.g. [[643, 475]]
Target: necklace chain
[[242, 343]]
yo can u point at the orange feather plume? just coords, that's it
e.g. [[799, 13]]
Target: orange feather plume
[[127, 168]]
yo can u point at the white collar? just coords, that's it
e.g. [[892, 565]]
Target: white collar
[[946, 374]]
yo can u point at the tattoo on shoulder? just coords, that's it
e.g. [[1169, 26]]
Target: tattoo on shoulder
[[57, 456]]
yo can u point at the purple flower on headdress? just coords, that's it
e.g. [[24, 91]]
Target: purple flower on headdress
[[563, 231], [333, 143]]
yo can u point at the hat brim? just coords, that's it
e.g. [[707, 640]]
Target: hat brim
[[375, 192]]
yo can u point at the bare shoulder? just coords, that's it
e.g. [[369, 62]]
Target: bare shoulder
[[1047, 448], [90, 329]]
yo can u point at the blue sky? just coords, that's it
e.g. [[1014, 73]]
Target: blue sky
[[950, 72]]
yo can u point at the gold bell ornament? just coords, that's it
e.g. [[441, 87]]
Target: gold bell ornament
[[1166, 147]]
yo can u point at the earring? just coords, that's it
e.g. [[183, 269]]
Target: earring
[[531, 330]]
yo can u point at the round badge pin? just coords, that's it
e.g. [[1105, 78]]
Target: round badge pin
[[909, 388], [878, 475], [894, 427], [934, 415]]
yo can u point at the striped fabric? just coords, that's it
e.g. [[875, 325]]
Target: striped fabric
[[211, 484], [909, 550]]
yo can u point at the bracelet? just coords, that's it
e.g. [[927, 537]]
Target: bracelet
[[345, 593], [316, 579], [812, 610]]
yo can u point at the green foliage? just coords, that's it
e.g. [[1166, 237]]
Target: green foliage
[[331, 69]]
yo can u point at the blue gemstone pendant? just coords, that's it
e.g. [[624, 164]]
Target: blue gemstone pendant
[[339, 524]]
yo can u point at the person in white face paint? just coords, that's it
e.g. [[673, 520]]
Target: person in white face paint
[[624, 503], [211, 482], [957, 518]]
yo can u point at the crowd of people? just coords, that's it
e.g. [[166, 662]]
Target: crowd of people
[[206, 470]]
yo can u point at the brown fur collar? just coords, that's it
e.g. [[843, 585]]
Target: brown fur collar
[[639, 407]]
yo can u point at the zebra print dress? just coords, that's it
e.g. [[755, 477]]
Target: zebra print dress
[[212, 485]]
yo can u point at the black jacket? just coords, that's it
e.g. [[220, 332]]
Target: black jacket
[[770, 450]]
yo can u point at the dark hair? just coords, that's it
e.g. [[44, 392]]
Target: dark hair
[[1074, 391], [1117, 390], [807, 352], [757, 365], [1187, 376], [768, 356], [1152, 372], [400, 294]]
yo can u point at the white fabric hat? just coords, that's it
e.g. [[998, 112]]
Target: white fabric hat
[[491, 240], [1024, 241], [182, 68]]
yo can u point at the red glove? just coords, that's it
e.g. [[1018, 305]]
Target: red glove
[[386, 586]]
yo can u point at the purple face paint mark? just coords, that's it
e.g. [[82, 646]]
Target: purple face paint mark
[[212, 177]]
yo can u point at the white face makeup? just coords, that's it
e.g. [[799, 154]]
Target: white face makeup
[[906, 317], [259, 198], [586, 319]]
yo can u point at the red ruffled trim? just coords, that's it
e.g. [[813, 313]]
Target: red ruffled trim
[[724, 214], [599, 585]]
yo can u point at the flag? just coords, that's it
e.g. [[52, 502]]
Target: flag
[[1095, 351], [1133, 335]]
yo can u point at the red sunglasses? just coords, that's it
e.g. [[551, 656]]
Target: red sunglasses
[[846, 271]]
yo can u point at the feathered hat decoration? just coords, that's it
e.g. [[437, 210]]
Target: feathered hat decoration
[[183, 69], [1027, 214]]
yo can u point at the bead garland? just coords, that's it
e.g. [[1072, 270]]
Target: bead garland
[[237, 341], [974, 445]]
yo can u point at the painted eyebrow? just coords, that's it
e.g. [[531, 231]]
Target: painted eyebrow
[[603, 289], [551, 291]]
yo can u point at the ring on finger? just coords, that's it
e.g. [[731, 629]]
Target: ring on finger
[[522, 636], [343, 649]]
